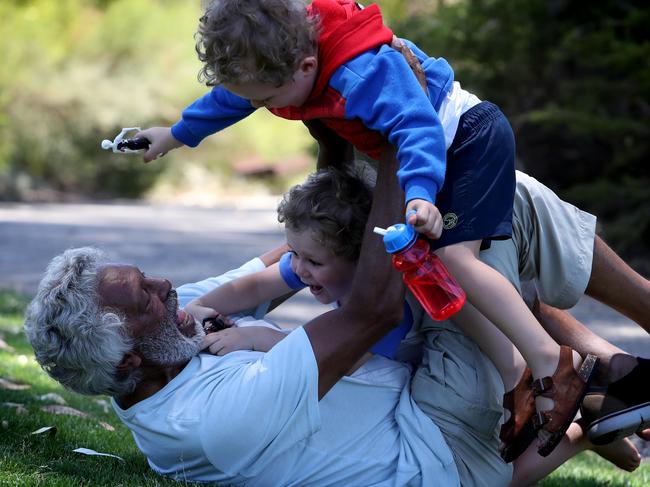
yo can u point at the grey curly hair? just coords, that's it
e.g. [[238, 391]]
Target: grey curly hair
[[75, 342], [263, 41], [335, 204]]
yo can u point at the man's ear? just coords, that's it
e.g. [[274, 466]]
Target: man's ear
[[131, 360], [308, 65]]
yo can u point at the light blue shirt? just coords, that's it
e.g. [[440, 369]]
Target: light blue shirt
[[253, 418]]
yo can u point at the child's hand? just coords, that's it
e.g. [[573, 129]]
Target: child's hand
[[229, 340], [200, 312], [162, 141], [426, 219]]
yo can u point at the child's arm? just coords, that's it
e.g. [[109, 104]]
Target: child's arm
[[207, 115], [381, 90], [272, 256], [240, 294], [256, 338]]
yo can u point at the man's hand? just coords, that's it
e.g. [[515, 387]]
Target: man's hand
[[162, 141], [425, 217]]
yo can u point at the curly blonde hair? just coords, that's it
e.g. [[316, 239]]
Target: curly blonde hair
[[263, 41]]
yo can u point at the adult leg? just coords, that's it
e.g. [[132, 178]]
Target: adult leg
[[531, 467], [566, 329], [617, 285], [625, 407], [557, 247], [459, 388]]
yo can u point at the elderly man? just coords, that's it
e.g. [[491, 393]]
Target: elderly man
[[256, 418], [280, 418]]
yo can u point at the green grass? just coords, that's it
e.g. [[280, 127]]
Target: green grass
[[28, 460]]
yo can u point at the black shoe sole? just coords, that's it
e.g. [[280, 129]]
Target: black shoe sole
[[619, 424]]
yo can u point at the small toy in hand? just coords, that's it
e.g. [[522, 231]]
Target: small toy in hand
[[122, 145], [214, 324]]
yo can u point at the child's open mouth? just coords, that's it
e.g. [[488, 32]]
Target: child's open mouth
[[315, 289]]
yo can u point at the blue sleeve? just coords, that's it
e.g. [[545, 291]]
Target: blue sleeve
[[381, 91], [388, 345], [212, 112], [290, 278]]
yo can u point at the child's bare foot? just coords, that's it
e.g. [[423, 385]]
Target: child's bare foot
[[621, 453]]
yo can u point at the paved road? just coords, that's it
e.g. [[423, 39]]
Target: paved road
[[188, 243]]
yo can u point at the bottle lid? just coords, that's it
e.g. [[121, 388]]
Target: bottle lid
[[399, 237]]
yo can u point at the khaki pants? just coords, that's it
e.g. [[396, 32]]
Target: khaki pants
[[461, 391], [552, 244], [456, 385]]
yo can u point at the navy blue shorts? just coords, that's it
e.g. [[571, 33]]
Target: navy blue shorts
[[478, 193]]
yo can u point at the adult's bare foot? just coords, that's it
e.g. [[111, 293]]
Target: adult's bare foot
[[621, 453], [644, 434]]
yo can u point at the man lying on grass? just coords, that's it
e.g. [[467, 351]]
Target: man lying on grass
[[279, 418]]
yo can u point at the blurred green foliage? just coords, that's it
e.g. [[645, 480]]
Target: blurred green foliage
[[75, 72], [573, 78]]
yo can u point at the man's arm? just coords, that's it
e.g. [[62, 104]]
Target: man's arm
[[340, 337], [332, 150]]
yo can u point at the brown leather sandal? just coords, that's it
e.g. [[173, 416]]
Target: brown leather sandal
[[566, 388], [518, 432]]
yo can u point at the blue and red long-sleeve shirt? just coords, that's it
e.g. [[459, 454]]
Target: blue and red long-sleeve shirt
[[365, 91]]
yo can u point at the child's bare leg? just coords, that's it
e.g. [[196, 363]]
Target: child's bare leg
[[531, 467], [516, 431], [494, 296], [616, 284], [621, 453], [496, 346]]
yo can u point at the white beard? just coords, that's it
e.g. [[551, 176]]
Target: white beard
[[168, 346]]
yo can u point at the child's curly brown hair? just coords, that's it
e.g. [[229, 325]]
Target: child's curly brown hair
[[262, 41], [335, 205]]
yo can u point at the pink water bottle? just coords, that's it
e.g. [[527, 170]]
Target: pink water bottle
[[423, 271]]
